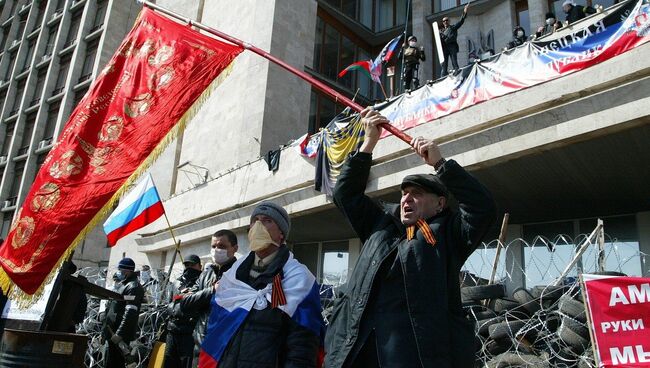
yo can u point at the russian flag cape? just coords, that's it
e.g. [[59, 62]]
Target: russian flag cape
[[234, 299]]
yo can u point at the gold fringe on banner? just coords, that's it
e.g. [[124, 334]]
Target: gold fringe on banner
[[24, 300]]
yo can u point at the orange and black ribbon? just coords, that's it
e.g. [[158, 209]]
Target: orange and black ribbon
[[277, 294], [425, 229]]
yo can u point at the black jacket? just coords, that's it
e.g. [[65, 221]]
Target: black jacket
[[180, 321], [269, 338], [199, 302], [517, 40], [443, 336], [122, 316], [578, 12], [449, 35]]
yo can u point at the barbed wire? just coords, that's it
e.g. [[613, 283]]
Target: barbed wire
[[520, 320]]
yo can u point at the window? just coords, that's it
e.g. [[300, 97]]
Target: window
[[20, 91], [78, 96], [30, 54], [51, 40], [64, 65], [40, 14], [40, 160], [3, 97], [59, 6], [21, 27], [5, 36], [27, 133], [6, 224], [89, 61], [10, 67], [74, 29], [38, 89], [19, 170], [376, 15], [322, 111], [335, 258], [13, 7], [9, 134], [523, 20], [100, 13], [50, 124]]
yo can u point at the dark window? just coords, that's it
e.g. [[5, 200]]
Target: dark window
[[6, 224], [322, 111], [100, 14], [64, 65], [40, 160], [74, 29], [59, 5], [14, 4], [27, 133], [5, 36], [523, 19], [51, 40], [21, 27], [376, 15], [38, 89], [3, 97], [19, 170], [50, 124], [9, 134], [10, 67], [89, 61], [40, 14], [78, 96], [20, 90], [30, 54]]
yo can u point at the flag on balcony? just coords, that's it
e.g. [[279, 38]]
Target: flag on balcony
[[137, 209], [343, 135], [374, 68], [367, 67], [152, 86], [388, 51]]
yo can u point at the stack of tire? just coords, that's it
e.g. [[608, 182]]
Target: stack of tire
[[545, 326]]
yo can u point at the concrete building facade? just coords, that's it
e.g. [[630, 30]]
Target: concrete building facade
[[556, 156], [50, 53]]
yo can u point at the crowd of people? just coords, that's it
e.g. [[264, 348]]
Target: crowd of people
[[413, 53], [403, 287]]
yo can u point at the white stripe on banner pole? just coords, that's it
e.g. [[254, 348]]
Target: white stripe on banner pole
[[436, 35]]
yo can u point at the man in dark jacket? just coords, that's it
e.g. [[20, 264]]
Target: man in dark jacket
[[576, 12], [550, 25], [271, 335], [179, 346], [448, 37], [122, 316], [402, 305], [223, 248]]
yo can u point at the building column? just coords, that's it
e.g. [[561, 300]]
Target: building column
[[643, 228], [422, 30], [537, 14], [514, 259]]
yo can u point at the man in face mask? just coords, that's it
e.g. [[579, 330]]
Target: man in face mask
[[412, 56], [518, 37], [122, 316], [279, 328], [223, 247], [179, 347], [551, 25]]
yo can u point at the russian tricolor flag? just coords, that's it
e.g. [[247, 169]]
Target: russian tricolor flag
[[140, 207], [234, 300]]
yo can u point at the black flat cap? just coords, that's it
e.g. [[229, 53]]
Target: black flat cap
[[428, 182], [193, 259]]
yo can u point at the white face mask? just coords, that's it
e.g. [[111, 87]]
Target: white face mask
[[412, 43], [259, 238], [145, 276], [520, 34], [550, 21], [219, 256]]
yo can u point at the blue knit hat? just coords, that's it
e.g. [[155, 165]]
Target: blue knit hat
[[126, 264]]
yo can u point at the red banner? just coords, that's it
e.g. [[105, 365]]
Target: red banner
[[620, 322], [139, 101]]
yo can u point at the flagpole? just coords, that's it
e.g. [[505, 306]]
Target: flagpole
[[406, 24], [301, 74], [384, 91], [169, 225]]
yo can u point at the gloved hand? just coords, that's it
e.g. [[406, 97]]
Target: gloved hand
[[116, 339]]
